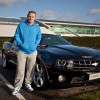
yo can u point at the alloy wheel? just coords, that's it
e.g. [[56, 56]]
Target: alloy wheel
[[4, 60], [39, 76]]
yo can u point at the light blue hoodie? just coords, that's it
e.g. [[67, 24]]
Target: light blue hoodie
[[28, 37]]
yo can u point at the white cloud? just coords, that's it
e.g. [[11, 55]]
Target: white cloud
[[52, 15], [47, 14], [97, 21], [69, 17], [9, 2], [6, 2], [94, 11]]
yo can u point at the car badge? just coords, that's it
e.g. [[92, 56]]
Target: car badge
[[87, 56], [94, 64]]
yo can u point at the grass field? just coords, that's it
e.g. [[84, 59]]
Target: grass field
[[93, 42], [94, 95]]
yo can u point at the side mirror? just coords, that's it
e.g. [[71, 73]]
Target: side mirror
[[7, 45]]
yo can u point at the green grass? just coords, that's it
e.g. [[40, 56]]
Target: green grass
[[93, 42], [95, 95], [3, 39]]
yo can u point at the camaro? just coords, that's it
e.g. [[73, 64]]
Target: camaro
[[58, 61]]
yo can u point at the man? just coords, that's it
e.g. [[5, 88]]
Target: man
[[27, 36]]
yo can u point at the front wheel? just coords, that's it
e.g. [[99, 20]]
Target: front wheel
[[40, 77]]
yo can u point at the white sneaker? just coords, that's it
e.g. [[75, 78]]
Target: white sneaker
[[16, 91], [29, 87]]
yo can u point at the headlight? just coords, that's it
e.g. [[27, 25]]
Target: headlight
[[65, 63], [70, 64], [61, 62]]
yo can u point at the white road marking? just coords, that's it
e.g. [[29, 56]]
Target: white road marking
[[19, 96]]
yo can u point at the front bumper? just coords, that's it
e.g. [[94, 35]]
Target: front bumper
[[71, 77]]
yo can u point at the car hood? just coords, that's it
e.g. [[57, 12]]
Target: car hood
[[72, 51]]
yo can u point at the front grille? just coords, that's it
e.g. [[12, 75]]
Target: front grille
[[86, 63]]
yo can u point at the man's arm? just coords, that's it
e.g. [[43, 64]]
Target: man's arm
[[17, 36], [38, 38]]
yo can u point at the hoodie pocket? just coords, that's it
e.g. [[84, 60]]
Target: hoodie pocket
[[32, 47], [24, 47]]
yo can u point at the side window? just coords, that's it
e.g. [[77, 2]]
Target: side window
[[43, 42]]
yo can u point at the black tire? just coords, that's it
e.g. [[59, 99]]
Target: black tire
[[4, 60], [40, 77]]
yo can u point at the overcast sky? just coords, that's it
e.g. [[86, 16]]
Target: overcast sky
[[66, 10]]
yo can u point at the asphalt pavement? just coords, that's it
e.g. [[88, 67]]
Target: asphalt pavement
[[5, 92]]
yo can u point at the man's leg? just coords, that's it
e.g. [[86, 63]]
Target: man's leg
[[21, 58], [31, 61]]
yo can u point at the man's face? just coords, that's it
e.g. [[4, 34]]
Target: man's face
[[31, 17]]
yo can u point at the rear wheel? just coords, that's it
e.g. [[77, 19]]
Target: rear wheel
[[40, 77]]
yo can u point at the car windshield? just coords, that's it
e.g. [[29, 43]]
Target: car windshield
[[49, 39]]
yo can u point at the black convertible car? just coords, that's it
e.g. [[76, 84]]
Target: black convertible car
[[58, 61]]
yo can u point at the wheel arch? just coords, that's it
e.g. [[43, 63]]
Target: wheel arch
[[39, 58], [2, 51]]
